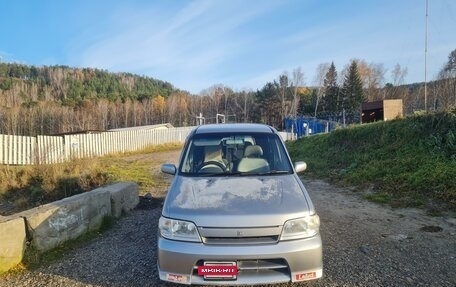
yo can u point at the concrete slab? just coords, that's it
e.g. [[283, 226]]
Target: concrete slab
[[12, 242]]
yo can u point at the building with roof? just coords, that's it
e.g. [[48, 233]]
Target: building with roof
[[382, 110]]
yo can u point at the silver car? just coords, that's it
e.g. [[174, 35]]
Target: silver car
[[236, 212]]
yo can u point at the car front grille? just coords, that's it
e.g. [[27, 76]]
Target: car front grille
[[240, 236], [240, 240]]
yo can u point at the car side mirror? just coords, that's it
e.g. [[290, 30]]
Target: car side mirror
[[300, 166], [169, 168]]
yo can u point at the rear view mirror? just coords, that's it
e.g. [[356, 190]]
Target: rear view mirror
[[168, 168], [300, 166]]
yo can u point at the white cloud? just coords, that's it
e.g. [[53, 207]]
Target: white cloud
[[208, 42], [193, 42]]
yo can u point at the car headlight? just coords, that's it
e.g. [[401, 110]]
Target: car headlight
[[300, 228], [178, 230]]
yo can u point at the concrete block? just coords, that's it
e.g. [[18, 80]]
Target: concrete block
[[52, 224], [12, 242], [124, 197], [99, 206]]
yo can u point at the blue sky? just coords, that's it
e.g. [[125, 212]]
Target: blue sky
[[240, 44]]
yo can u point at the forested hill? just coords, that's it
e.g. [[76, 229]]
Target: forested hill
[[71, 86], [58, 99]]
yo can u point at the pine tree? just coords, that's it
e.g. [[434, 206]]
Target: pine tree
[[352, 93], [331, 90], [451, 64]]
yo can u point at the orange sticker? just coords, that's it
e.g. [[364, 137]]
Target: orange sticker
[[176, 278], [306, 276]]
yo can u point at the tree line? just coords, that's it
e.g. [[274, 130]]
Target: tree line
[[52, 100]]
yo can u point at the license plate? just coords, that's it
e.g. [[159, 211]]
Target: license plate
[[213, 270]]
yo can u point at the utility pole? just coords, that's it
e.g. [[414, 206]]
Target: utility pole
[[425, 59]]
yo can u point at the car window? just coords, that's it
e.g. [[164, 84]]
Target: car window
[[234, 154]]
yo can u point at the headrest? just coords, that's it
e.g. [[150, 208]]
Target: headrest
[[212, 152], [253, 151]]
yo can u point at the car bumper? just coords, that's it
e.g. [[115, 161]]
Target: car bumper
[[285, 261]]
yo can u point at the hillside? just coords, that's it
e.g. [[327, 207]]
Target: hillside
[[70, 86], [51, 100], [407, 162]]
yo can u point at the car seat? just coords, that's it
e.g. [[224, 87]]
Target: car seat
[[253, 161]]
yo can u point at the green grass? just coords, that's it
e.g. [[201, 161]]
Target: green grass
[[379, 197], [407, 162], [128, 167]]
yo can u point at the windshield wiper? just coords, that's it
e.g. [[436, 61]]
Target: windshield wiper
[[278, 172], [272, 172], [239, 173], [203, 174]]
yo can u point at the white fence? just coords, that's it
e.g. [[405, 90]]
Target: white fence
[[21, 150]]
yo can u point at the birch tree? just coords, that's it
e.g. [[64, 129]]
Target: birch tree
[[319, 81], [298, 81]]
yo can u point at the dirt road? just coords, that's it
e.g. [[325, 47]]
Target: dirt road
[[365, 244]]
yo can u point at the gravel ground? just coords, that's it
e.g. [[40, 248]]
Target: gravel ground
[[365, 244]]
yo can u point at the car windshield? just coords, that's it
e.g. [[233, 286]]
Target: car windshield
[[234, 154]]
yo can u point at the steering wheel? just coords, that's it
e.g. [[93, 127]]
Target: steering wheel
[[213, 162]]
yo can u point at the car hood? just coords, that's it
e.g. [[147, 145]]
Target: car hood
[[242, 201]]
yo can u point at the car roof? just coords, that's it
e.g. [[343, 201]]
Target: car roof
[[220, 128]]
